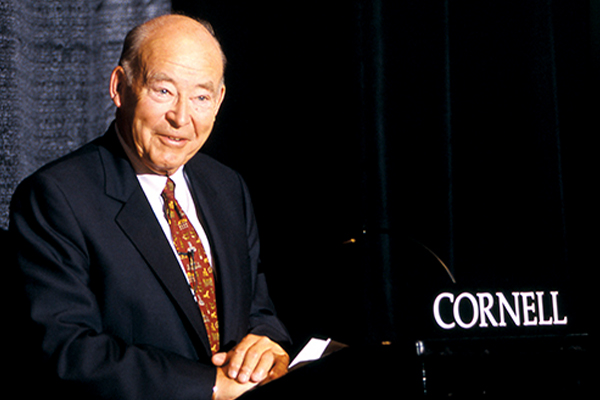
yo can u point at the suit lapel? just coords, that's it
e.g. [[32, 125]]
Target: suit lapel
[[138, 222]]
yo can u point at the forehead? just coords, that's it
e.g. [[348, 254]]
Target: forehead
[[181, 56]]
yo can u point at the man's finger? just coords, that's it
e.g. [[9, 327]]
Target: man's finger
[[264, 366], [280, 368], [247, 365], [256, 358], [237, 358], [219, 359]]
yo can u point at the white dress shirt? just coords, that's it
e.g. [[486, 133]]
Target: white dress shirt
[[153, 186]]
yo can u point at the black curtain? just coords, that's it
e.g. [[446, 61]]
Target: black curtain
[[56, 57], [374, 131]]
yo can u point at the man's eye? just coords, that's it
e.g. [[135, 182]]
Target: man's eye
[[161, 91]]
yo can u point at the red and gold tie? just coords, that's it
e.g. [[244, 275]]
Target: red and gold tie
[[197, 267]]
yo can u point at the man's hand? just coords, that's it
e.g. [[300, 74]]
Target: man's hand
[[256, 359], [227, 388]]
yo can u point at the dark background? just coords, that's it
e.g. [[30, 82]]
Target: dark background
[[465, 126]]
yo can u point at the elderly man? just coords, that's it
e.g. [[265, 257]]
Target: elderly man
[[139, 254]]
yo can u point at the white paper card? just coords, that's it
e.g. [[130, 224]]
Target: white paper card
[[313, 350]]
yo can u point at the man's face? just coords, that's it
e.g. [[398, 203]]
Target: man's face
[[168, 112]]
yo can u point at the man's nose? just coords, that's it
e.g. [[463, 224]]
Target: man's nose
[[179, 115]]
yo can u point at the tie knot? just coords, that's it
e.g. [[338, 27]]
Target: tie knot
[[169, 190]]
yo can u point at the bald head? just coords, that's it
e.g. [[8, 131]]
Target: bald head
[[168, 89], [174, 28]]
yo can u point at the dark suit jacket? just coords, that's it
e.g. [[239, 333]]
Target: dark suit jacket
[[116, 315]]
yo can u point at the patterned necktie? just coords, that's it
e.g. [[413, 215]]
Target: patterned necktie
[[197, 267]]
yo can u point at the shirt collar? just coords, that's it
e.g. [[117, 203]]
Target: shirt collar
[[156, 183]]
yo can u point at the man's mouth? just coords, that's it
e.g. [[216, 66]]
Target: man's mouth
[[174, 139]]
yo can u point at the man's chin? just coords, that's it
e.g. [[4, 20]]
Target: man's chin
[[165, 168]]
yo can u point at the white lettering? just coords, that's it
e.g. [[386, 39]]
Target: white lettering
[[528, 309], [555, 310], [514, 313], [486, 302], [456, 309], [540, 302], [436, 310]]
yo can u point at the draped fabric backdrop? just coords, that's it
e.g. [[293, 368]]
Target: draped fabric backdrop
[[56, 57]]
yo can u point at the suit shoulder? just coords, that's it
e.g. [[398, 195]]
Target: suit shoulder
[[212, 176], [74, 170], [204, 161], [77, 161], [212, 169]]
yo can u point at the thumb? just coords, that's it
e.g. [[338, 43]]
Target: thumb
[[219, 359]]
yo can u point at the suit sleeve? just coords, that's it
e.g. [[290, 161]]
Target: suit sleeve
[[52, 256], [263, 318]]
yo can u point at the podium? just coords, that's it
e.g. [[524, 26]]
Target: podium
[[369, 372], [526, 367], [536, 366]]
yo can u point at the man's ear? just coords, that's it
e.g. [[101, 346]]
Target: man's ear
[[221, 96], [118, 83]]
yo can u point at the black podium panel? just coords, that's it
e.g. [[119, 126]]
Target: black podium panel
[[508, 367], [352, 373], [534, 367]]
